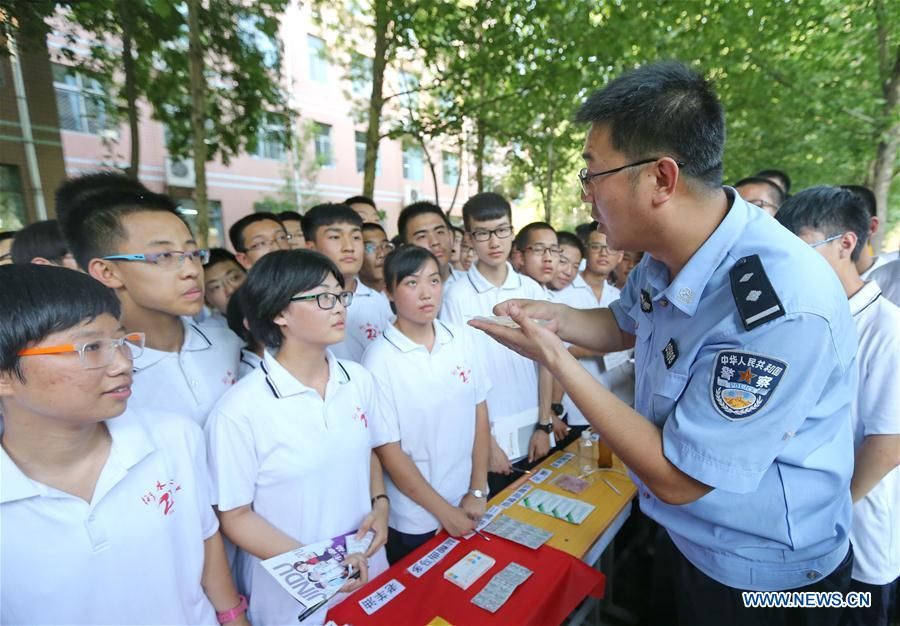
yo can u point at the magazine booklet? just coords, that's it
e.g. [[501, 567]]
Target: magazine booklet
[[314, 573]]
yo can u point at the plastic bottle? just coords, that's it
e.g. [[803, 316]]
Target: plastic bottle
[[587, 453]]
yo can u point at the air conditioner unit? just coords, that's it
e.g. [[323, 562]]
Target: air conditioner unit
[[180, 173], [410, 195]]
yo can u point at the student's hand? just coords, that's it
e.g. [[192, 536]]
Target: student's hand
[[377, 522], [474, 507], [531, 340], [539, 446], [498, 461], [456, 521], [359, 564], [560, 428]]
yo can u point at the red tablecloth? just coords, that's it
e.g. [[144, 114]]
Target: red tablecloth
[[558, 584]]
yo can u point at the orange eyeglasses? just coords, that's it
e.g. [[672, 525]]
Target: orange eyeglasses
[[95, 353]]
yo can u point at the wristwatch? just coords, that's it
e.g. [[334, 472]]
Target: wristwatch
[[558, 409], [547, 428], [478, 493]]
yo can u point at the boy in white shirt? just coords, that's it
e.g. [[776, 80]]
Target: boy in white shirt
[[256, 235], [105, 515], [536, 252], [136, 244], [519, 400], [425, 224], [335, 230], [375, 247], [834, 221]]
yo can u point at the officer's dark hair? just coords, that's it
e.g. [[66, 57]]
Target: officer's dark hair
[[8, 234], [415, 210], [663, 109], [220, 255], [402, 262], [570, 239], [759, 180], [76, 191], [523, 237], [829, 210], [236, 232], [92, 225], [289, 215], [360, 200], [38, 300], [866, 196], [484, 207], [583, 231], [39, 240], [271, 283], [783, 179], [326, 215], [373, 226]]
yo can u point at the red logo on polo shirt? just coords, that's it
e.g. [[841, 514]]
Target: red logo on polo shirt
[[464, 374], [371, 331], [229, 378], [163, 494], [360, 416]]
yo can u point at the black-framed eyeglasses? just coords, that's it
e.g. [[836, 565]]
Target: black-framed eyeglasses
[[484, 235], [585, 177], [327, 300], [601, 247], [540, 249]]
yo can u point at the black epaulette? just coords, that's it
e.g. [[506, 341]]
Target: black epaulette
[[756, 301]]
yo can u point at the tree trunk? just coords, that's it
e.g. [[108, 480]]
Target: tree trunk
[[459, 167], [376, 100], [431, 167], [130, 87], [198, 120], [548, 198], [479, 153]]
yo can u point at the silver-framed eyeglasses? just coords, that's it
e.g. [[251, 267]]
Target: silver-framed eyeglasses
[[232, 278], [327, 300], [371, 247], [96, 353], [274, 242], [816, 244], [169, 260]]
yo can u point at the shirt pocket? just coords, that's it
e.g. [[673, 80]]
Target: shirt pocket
[[666, 394]]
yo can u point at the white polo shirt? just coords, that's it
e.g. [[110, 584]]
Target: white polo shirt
[[875, 532], [428, 404], [514, 378], [303, 462], [249, 362], [888, 278], [367, 317], [612, 370], [188, 382], [878, 262], [133, 555]]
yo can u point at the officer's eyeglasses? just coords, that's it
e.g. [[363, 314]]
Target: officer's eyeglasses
[[171, 260], [326, 301], [371, 247], [278, 241], [95, 353], [484, 235], [585, 177], [816, 244], [540, 249]]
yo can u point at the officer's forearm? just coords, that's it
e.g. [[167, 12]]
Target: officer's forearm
[[875, 457], [593, 329], [632, 437]]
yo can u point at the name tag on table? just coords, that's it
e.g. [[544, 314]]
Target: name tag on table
[[431, 559], [540, 476], [565, 458], [515, 496], [382, 596]]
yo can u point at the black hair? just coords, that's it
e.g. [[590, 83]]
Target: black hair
[[8, 234], [397, 241], [523, 237], [663, 109], [273, 281], [326, 215], [402, 262], [583, 231], [781, 176], [373, 226], [234, 315], [93, 226], [829, 210], [457, 229], [41, 239], [360, 200], [570, 239], [236, 231], [38, 300], [416, 209], [484, 207], [75, 191], [289, 215], [759, 180], [866, 196], [220, 255]]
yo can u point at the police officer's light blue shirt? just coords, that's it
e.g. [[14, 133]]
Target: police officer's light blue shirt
[[762, 416]]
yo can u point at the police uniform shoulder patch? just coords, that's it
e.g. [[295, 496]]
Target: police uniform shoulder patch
[[743, 382], [756, 300]]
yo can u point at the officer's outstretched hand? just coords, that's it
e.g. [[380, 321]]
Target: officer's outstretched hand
[[534, 340]]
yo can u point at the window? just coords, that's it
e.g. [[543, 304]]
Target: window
[[318, 64], [271, 140], [413, 167], [187, 209], [409, 87], [12, 201], [361, 155], [324, 156], [80, 100], [360, 75], [451, 168]]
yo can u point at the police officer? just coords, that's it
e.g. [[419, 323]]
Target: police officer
[[740, 440]]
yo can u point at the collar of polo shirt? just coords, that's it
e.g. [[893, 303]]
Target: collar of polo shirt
[[861, 300], [442, 336], [482, 284], [283, 384], [194, 340]]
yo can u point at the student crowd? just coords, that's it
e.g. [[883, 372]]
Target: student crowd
[[172, 416]]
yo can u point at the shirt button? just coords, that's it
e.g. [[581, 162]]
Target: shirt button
[[647, 494], [91, 517], [812, 575], [193, 383], [664, 302]]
